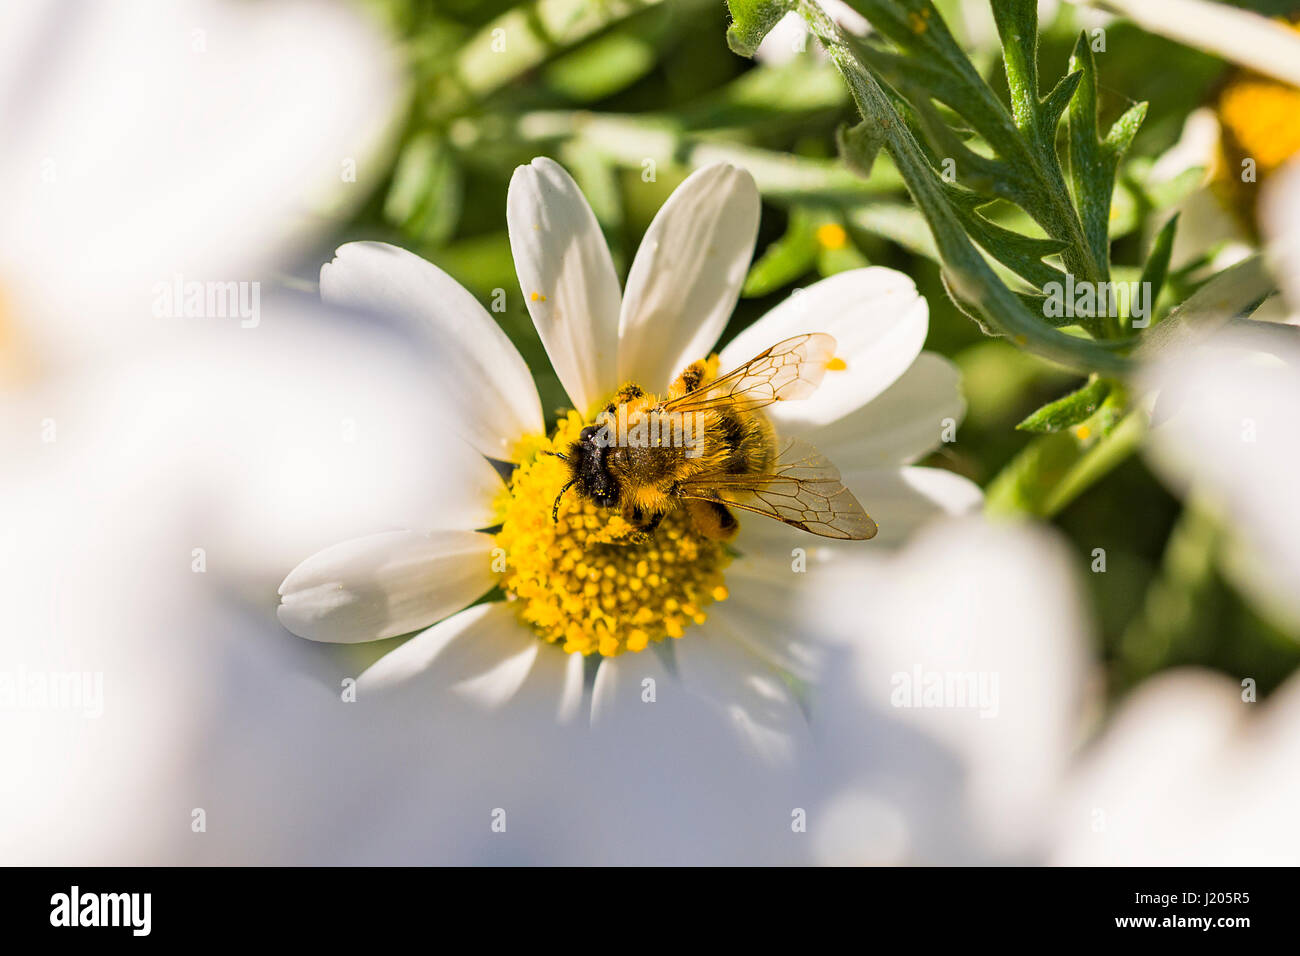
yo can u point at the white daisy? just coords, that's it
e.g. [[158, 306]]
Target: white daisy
[[1191, 772], [950, 710], [135, 533], [790, 36], [1224, 430], [193, 141], [958, 724], [567, 594], [1242, 36]]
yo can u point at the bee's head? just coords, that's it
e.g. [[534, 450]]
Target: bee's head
[[587, 469]]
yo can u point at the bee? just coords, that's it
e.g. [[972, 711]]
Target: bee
[[707, 446]]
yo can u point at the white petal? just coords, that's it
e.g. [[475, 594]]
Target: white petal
[[903, 499], [879, 321], [385, 584], [900, 425], [567, 278], [483, 654], [687, 274], [618, 696], [758, 704], [1225, 432], [761, 612], [993, 617], [1241, 36], [784, 41], [137, 111], [478, 376], [554, 685], [1164, 780], [1279, 214]]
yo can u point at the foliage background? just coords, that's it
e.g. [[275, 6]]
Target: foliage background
[[603, 86]]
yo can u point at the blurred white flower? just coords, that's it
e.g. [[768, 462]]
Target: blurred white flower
[[145, 143], [1188, 774], [790, 36], [949, 712], [1225, 434], [1206, 227], [1280, 222], [881, 406], [1224, 428], [147, 517], [951, 726], [1241, 36]]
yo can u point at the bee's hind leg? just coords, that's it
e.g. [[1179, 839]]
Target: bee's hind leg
[[711, 519], [626, 393], [645, 524], [700, 372]]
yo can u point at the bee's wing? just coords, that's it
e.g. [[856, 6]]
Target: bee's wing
[[788, 370], [802, 489]]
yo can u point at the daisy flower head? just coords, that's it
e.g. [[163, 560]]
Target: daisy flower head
[[118, 127], [579, 576]]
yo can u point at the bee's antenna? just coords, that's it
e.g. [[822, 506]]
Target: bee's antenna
[[555, 508]]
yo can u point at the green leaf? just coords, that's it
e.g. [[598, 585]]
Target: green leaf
[[1156, 270], [858, 145], [1097, 461], [1017, 23], [1023, 255], [426, 194], [1235, 292], [1070, 410], [785, 260], [973, 284], [840, 258], [1093, 160], [532, 33], [750, 22], [602, 67], [1054, 469], [898, 222]]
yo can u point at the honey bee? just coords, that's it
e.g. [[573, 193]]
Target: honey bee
[[708, 447]]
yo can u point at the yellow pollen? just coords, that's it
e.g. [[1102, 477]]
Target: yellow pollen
[[538, 297], [16, 365], [1262, 118], [836, 364], [589, 581], [1082, 432], [1260, 121], [831, 235]]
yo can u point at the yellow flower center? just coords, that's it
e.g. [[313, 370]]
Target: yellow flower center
[[16, 365], [588, 580], [1260, 122]]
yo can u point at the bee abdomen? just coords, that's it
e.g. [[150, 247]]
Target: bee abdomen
[[747, 441]]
